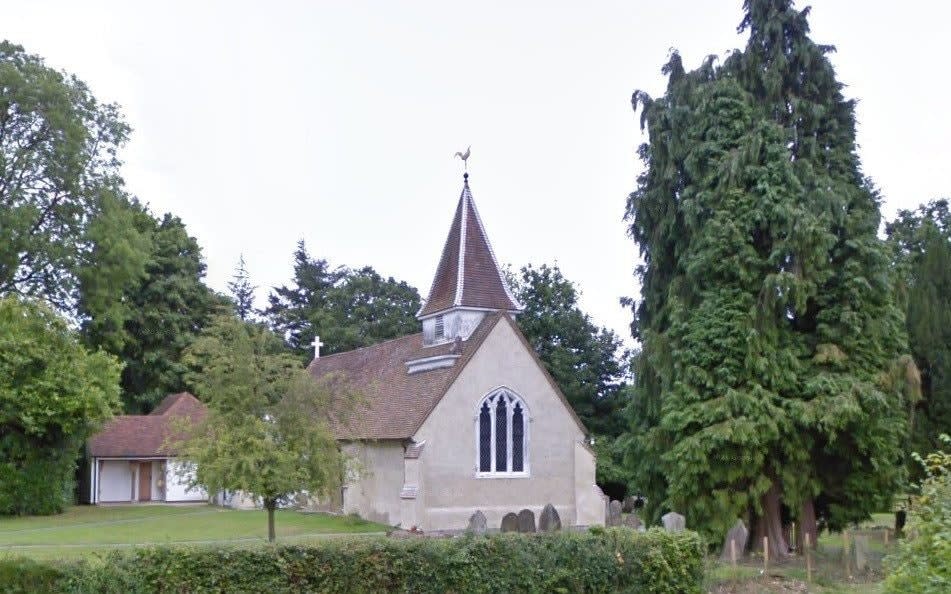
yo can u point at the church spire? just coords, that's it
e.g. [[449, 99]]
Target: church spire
[[468, 276]]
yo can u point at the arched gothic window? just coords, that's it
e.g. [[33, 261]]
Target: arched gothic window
[[502, 446]]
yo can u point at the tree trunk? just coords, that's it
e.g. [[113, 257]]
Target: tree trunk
[[807, 525], [770, 525], [270, 505]]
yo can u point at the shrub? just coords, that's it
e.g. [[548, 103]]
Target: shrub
[[616, 560], [923, 564], [19, 575]]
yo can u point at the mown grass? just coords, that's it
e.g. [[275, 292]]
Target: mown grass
[[83, 530]]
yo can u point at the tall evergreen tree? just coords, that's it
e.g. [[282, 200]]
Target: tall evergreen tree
[[346, 308], [921, 242], [768, 386], [242, 291], [163, 311]]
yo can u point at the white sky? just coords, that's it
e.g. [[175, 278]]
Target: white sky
[[260, 123]]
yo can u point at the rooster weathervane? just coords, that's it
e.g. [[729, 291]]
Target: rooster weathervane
[[465, 158]]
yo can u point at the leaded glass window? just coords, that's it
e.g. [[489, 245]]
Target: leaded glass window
[[502, 435], [518, 438], [485, 439]]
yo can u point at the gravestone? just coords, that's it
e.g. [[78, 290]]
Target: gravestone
[[673, 522], [738, 534], [860, 552], [509, 522], [526, 521], [549, 520], [614, 514], [477, 523], [633, 522], [627, 506]]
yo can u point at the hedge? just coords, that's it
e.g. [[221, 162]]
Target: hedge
[[613, 560]]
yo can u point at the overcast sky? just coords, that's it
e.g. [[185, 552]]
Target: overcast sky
[[261, 123]]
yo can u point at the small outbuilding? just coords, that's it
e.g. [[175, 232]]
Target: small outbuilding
[[130, 462]]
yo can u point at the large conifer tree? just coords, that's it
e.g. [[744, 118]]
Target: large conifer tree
[[768, 383]]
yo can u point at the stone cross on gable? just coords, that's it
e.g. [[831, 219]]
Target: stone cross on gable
[[317, 344]]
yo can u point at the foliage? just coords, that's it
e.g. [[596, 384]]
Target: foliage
[[588, 363], [25, 576], [346, 308], [923, 563], [768, 383], [921, 247], [242, 292], [59, 187], [266, 433], [53, 395], [164, 310], [615, 560]]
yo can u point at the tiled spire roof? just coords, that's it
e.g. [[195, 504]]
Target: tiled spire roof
[[468, 274]]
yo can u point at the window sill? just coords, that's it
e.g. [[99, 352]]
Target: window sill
[[503, 475]]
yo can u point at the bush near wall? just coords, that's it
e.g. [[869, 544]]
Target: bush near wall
[[613, 560]]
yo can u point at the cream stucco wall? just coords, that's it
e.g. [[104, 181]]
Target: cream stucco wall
[[177, 476], [115, 481], [376, 479], [451, 489]]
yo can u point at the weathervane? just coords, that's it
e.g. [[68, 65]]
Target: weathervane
[[465, 158]]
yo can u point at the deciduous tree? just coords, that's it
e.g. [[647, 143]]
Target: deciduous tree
[[266, 433], [53, 394], [60, 189]]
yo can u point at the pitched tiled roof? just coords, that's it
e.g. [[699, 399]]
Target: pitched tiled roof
[[128, 436], [391, 403], [388, 402], [468, 274]]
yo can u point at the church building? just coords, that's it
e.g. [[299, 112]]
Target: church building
[[462, 416]]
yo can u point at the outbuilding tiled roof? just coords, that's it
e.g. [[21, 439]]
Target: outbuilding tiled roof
[[468, 274], [383, 400], [129, 436]]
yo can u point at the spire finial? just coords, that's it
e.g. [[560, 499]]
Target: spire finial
[[465, 179]]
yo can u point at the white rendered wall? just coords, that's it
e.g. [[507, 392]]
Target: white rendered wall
[[115, 481], [375, 494], [176, 488], [452, 489]]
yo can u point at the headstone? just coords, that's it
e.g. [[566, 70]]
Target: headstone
[[739, 535], [632, 522], [526, 521], [549, 520], [477, 523], [509, 523], [673, 522], [860, 552], [627, 506], [614, 514]]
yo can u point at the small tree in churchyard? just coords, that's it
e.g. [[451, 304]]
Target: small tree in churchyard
[[266, 433]]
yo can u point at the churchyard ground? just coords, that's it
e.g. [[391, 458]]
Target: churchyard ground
[[84, 530], [828, 567]]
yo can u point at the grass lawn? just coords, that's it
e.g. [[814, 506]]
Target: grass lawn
[[82, 530]]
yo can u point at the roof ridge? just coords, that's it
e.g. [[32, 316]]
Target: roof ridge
[[363, 348]]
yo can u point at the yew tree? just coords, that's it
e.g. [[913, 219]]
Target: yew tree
[[771, 382]]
